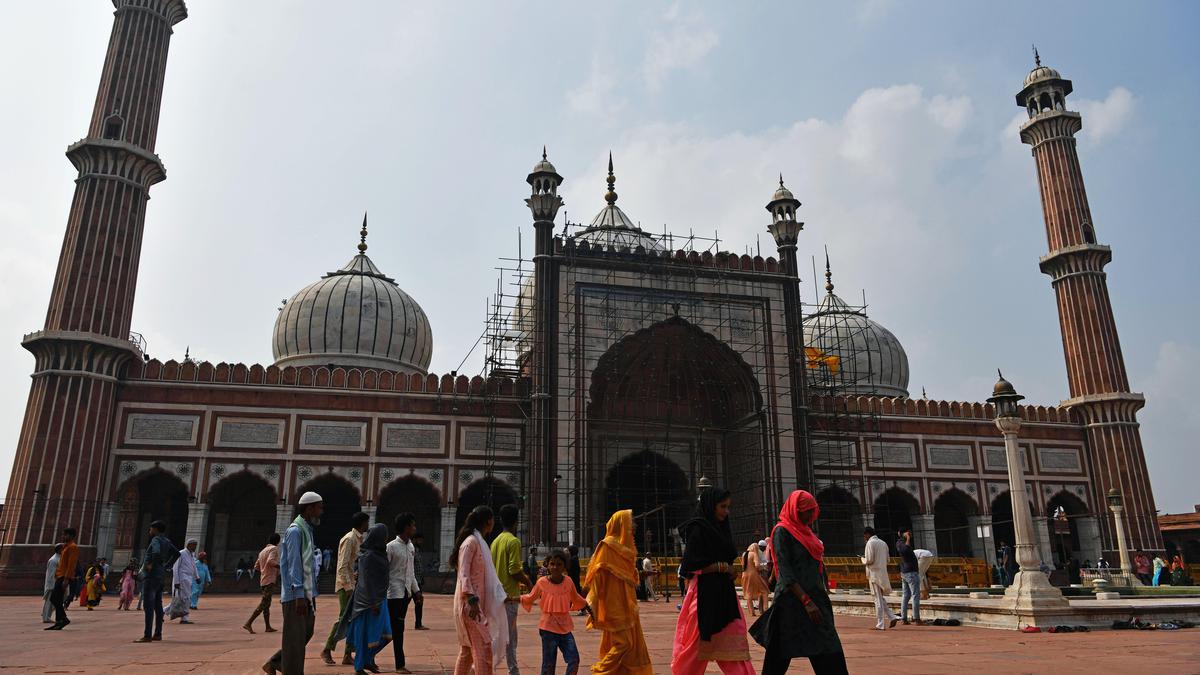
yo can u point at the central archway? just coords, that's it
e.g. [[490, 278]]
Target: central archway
[[156, 495], [657, 491], [490, 492], [951, 513], [241, 518], [341, 503], [411, 494], [894, 510], [673, 395]]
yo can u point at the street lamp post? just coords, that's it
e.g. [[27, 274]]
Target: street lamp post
[[1116, 505], [1030, 590]]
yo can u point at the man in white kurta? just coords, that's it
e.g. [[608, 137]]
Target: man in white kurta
[[183, 576], [48, 587], [875, 558]]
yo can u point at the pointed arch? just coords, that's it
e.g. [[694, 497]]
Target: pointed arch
[[241, 518]]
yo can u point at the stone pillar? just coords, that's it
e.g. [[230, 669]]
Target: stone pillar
[[924, 534], [448, 515], [980, 547], [106, 531], [197, 523], [284, 515], [1042, 528], [1089, 538], [370, 511]]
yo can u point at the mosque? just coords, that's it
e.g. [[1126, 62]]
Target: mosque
[[626, 370]]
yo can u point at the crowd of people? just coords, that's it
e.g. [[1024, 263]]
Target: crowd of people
[[378, 578]]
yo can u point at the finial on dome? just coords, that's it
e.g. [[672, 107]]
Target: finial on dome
[[780, 179], [1037, 58], [543, 153], [362, 241], [828, 273], [611, 195]]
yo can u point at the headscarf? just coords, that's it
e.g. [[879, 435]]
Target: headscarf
[[371, 589], [710, 541], [789, 519], [617, 552]]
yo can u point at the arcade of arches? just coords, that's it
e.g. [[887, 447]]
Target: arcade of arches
[[668, 405]]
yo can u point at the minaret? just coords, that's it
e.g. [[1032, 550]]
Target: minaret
[[1099, 385], [62, 451], [786, 230], [544, 203]]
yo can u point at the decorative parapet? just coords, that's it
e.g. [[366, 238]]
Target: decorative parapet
[[719, 260], [323, 377], [910, 407]]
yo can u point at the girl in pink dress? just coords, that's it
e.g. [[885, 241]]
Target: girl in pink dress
[[479, 616], [128, 581], [559, 598]]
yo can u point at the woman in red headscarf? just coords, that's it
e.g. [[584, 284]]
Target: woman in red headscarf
[[800, 620]]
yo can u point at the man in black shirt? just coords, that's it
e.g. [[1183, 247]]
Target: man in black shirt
[[910, 577]]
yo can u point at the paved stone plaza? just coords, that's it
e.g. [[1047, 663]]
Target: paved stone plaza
[[100, 642]]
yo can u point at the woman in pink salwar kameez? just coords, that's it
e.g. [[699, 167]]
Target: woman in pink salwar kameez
[[711, 626], [479, 616], [128, 581]]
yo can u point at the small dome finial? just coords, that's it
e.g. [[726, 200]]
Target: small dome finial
[[611, 195], [362, 241], [1037, 58], [828, 273], [543, 153], [780, 179]]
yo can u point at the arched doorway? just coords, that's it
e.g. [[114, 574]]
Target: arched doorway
[[488, 492], [416, 496], [1002, 523], [155, 495], [241, 517], [893, 512], [341, 503], [951, 511], [657, 491], [840, 523], [678, 393], [1062, 519]]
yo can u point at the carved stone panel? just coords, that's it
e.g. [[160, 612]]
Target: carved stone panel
[[159, 429]]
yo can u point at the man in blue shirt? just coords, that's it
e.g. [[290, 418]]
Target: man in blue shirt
[[298, 587], [160, 556]]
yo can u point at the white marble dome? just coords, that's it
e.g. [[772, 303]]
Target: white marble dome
[[869, 358], [354, 317]]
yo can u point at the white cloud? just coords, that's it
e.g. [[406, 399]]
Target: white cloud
[[1104, 119], [1170, 423], [684, 44], [597, 95], [873, 10]]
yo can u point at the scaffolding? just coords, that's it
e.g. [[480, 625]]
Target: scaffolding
[[671, 358]]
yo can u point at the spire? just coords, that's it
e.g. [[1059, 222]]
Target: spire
[[1037, 58], [362, 242], [780, 179], [544, 154], [611, 195], [828, 273]]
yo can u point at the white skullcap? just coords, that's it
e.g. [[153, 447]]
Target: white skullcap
[[310, 498], [762, 543]]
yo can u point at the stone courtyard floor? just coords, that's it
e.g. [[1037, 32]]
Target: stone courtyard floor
[[100, 642]]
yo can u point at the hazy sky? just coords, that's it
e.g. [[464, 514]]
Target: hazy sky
[[894, 123]]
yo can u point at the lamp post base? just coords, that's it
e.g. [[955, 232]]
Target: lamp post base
[[1031, 592]]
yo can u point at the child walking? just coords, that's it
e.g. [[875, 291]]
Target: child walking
[[559, 598]]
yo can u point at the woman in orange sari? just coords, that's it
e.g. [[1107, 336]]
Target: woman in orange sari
[[612, 580]]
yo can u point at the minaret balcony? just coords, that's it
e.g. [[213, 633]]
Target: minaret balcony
[[1078, 260], [116, 160]]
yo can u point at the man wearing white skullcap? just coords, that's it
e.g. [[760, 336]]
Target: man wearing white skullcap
[[298, 586]]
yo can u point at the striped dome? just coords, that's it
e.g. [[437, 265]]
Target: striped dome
[[869, 358], [354, 317]]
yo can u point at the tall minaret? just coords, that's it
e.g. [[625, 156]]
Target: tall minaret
[[786, 230], [544, 204], [63, 447], [1095, 367]]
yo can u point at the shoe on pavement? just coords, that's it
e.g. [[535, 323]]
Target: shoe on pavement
[[269, 669], [403, 670], [157, 638], [347, 660], [427, 627], [327, 657], [892, 624], [269, 630], [143, 639]]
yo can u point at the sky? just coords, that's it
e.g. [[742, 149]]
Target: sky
[[894, 123]]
